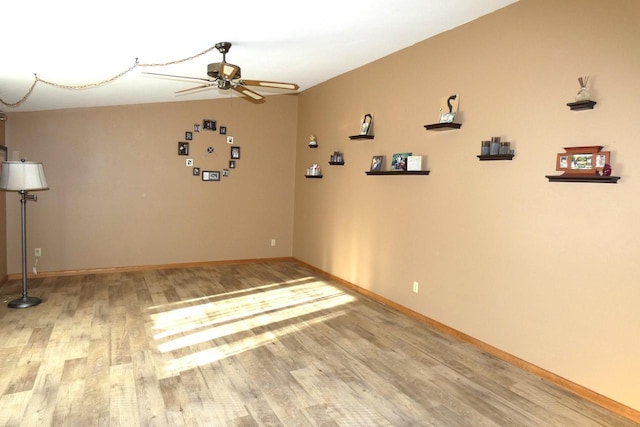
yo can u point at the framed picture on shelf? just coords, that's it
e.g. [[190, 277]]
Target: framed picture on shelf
[[399, 161], [588, 160], [376, 163]]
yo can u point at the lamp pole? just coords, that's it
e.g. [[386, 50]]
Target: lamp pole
[[25, 301]]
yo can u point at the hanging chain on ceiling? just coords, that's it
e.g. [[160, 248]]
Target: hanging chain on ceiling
[[136, 64]]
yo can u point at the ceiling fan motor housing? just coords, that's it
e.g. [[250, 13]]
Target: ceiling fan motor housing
[[213, 71]]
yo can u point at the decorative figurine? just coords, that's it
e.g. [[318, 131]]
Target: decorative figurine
[[312, 141], [606, 171]]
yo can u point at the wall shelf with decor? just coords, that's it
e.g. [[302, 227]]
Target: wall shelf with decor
[[361, 137], [397, 172], [496, 157], [582, 105], [583, 178], [336, 163], [443, 126]]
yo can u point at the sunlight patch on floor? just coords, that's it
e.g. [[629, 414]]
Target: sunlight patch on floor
[[283, 309]]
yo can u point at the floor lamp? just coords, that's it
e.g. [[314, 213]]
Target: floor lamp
[[23, 176]]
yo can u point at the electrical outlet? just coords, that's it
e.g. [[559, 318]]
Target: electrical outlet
[[38, 251], [415, 287], [273, 242]]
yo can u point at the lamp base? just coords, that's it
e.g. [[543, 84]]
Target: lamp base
[[24, 302]]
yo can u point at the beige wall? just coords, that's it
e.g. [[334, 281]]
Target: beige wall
[[121, 196], [545, 271]]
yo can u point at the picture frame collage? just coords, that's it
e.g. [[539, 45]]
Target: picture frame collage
[[184, 149]]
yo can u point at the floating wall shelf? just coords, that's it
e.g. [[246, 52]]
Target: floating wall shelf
[[337, 163], [361, 137], [583, 178], [582, 105], [443, 126], [397, 172], [313, 176], [496, 157]]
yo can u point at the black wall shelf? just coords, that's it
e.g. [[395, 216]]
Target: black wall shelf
[[397, 172], [337, 163], [582, 105], [443, 126], [496, 157], [361, 137], [313, 176], [583, 178]]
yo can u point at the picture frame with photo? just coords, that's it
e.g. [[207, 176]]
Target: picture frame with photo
[[197, 127], [183, 148], [235, 153], [196, 171], [209, 124], [377, 163], [188, 136], [232, 164], [589, 160], [211, 175], [399, 161], [223, 130]]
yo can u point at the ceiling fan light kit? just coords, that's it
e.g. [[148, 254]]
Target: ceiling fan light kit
[[224, 76]]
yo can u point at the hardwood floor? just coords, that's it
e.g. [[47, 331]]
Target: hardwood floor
[[257, 344]]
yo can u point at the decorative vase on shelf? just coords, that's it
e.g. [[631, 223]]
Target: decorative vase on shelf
[[583, 94]]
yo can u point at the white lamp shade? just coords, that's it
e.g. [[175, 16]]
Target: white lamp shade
[[22, 176]]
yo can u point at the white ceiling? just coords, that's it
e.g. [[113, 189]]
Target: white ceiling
[[70, 42]]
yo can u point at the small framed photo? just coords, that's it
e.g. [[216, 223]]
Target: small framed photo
[[232, 164], [235, 152], [367, 122], [196, 171], [183, 148], [399, 161], [188, 136], [376, 163], [211, 175], [225, 172], [209, 124], [229, 140], [189, 162], [197, 127], [223, 130]]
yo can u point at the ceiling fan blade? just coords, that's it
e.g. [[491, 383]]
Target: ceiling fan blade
[[251, 95], [277, 85], [177, 77], [194, 88], [227, 70]]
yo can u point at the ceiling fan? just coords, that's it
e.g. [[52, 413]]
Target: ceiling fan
[[224, 75]]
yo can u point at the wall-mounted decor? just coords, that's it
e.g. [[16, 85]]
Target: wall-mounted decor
[[188, 136], [235, 152], [584, 164], [223, 130], [196, 171], [449, 108], [377, 163], [225, 172], [229, 140], [414, 163], [189, 162], [210, 150], [211, 175], [183, 148], [399, 161], [313, 142], [209, 124], [196, 127], [583, 97], [314, 171], [367, 125], [337, 158], [232, 164]]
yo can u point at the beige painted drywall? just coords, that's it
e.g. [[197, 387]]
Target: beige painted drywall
[[545, 271], [121, 196]]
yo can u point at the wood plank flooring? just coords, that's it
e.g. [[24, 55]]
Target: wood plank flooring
[[260, 344]]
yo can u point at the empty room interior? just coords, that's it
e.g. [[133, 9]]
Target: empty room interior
[[244, 255]]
